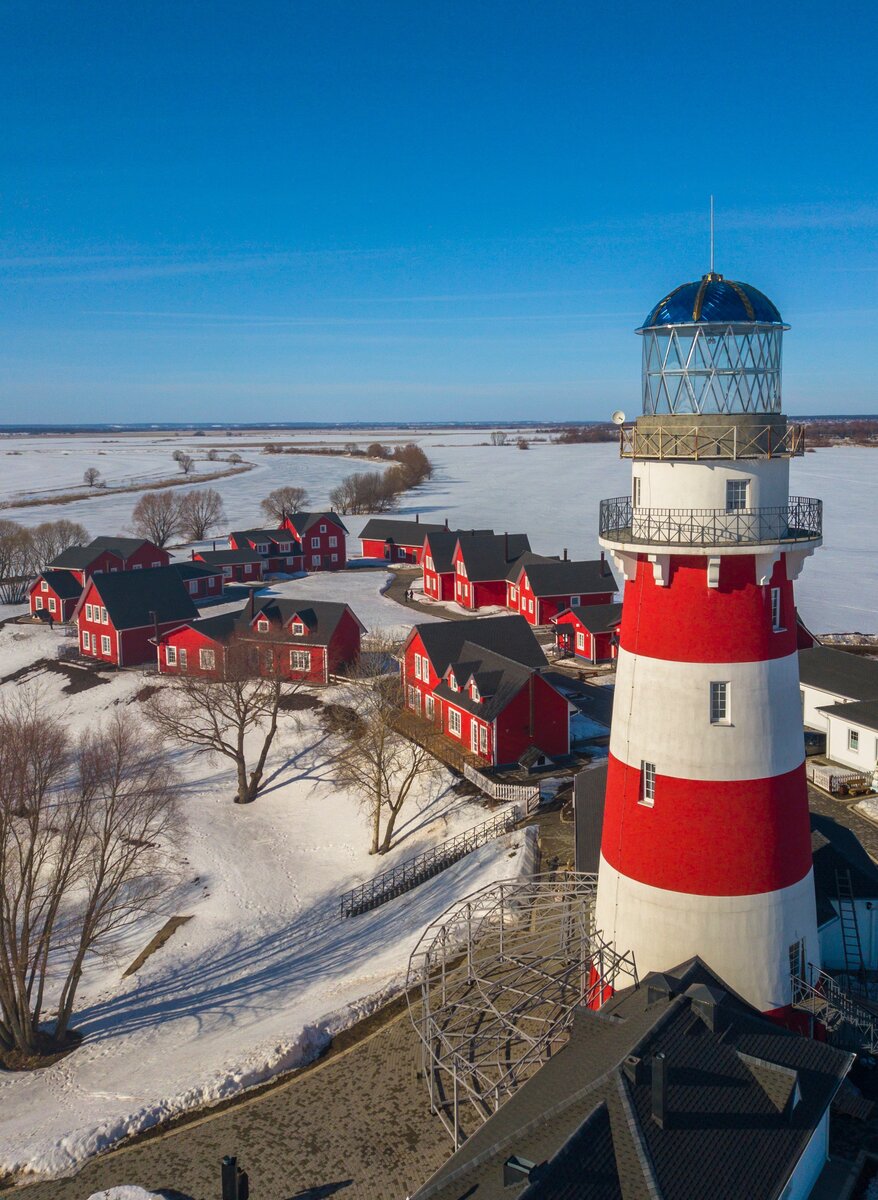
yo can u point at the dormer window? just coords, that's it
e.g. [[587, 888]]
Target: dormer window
[[262, 625], [474, 692], [298, 628], [284, 547]]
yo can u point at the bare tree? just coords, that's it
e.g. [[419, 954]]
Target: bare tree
[[156, 516], [91, 477], [343, 497], [51, 537], [17, 562], [82, 829], [186, 463], [200, 511], [374, 759], [498, 438], [235, 458], [219, 713], [212, 455], [177, 455], [283, 502]]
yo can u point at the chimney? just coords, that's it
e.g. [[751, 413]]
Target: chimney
[[660, 1091], [155, 625], [252, 603], [506, 546], [417, 518], [192, 555], [446, 522], [565, 554]]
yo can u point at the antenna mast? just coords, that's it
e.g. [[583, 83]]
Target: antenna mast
[[711, 235]]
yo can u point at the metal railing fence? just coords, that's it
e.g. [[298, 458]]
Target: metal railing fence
[[799, 521]]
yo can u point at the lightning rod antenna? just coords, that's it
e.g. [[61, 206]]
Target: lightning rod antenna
[[711, 235]]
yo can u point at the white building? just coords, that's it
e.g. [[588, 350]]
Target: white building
[[830, 677], [852, 734]]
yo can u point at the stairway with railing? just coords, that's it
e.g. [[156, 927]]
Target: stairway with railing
[[848, 1024], [413, 871]]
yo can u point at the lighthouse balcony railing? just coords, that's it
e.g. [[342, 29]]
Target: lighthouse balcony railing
[[799, 521], [672, 441]]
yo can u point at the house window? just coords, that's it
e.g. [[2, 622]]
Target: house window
[[513, 595], [300, 660], [475, 693], [775, 610], [262, 548], [483, 739], [193, 587], [647, 783], [105, 645], [530, 605], [719, 702], [88, 613], [52, 606], [335, 558], [284, 547], [171, 655], [452, 682], [635, 493], [227, 572], [429, 705], [323, 529], [854, 740], [86, 640], [291, 562], [298, 628], [262, 625], [44, 587], [413, 697], [184, 657], [206, 660], [333, 541], [315, 560], [104, 618], [736, 494], [417, 666], [156, 564], [428, 563], [315, 543], [574, 601], [136, 566], [461, 567], [797, 958], [38, 601], [580, 640], [454, 722]]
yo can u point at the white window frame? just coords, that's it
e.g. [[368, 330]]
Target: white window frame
[[737, 494], [776, 625], [86, 640], [513, 593], [300, 660], [323, 529], [171, 655], [720, 702], [44, 587], [38, 601], [106, 646], [184, 657], [635, 491], [333, 541], [227, 572], [647, 783], [52, 605], [88, 612], [580, 640], [262, 625], [429, 706], [105, 620], [417, 666], [315, 543], [192, 585], [455, 724], [483, 739], [575, 601], [206, 658], [854, 740], [315, 560], [298, 628]]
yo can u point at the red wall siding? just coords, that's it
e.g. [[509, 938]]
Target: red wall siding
[[39, 602], [323, 551], [551, 723], [345, 644], [148, 556], [375, 548], [96, 629], [191, 641]]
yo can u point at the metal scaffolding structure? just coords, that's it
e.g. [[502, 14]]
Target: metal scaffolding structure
[[493, 984]]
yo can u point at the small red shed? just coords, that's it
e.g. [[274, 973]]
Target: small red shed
[[237, 566], [53, 595], [589, 632]]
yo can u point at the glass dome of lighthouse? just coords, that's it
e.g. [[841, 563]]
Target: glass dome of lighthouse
[[712, 346]]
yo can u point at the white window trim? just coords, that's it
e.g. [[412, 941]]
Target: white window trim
[[171, 655], [300, 660], [726, 718], [854, 740], [454, 718], [106, 646], [647, 784], [206, 658], [776, 611]]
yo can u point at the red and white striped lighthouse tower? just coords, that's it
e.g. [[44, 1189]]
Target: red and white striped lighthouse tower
[[706, 845]]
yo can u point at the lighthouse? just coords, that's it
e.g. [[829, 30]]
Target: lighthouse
[[706, 845]]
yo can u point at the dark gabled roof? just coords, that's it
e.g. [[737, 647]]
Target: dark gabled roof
[[62, 583], [853, 676], [836, 848], [743, 1099], [136, 598], [498, 679], [77, 558], [122, 546], [565, 577], [442, 550], [225, 558], [402, 533], [487, 556], [525, 560], [196, 570], [273, 536], [321, 617], [596, 618], [302, 521], [857, 712], [510, 636]]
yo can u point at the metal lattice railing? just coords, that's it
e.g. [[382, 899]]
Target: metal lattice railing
[[847, 1023], [408, 874], [706, 440], [799, 521]]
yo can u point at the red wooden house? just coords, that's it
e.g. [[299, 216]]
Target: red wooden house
[[589, 632], [539, 588], [53, 595], [201, 581], [396, 540], [237, 566], [302, 640], [437, 565], [119, 615], [480, 682], [322, 536], [109, 554], [280, 551], [481, 564]]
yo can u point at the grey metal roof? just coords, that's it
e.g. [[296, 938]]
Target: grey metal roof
[[274, 537], [229, 557], [498, 679], [136, 598], [857, 712], [733, 1126], [597, 618], [510, 636], [487, 556], [320, 617], [196, 570], [854, 676], [566, 577], [402, 533], [302, 521], [836, 848]]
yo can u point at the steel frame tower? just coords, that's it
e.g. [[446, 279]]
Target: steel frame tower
[[706, 844]]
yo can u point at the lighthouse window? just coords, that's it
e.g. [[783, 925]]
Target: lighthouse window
[[775, 610], [636, 491], [647, 783], [719, 702], [736, 494]]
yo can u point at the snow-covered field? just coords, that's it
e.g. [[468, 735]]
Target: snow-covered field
[[265, 971], [549, 492]]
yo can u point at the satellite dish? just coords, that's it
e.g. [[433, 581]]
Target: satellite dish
[[618, 417]]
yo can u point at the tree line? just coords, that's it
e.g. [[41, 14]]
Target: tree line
[[24, 551], [379, 491]]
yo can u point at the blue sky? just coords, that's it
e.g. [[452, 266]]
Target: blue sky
[[431, 209]]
